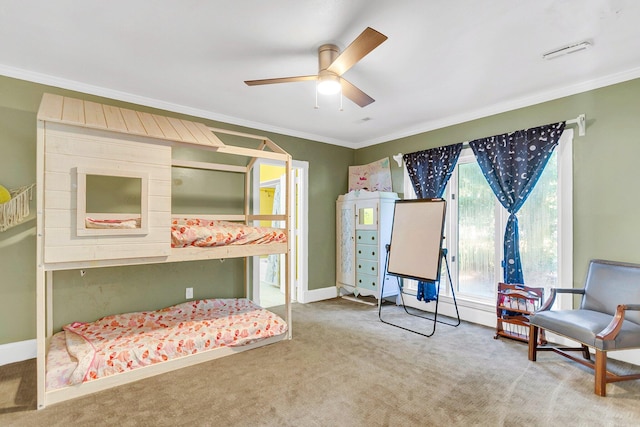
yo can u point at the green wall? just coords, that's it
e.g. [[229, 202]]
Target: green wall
[[119, 289], [605, 165], [605, 203]]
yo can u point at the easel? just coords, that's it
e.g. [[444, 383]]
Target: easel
[[443, 254], [415, 252]]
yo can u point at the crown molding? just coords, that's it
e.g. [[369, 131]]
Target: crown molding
[[50, 80], [490, 110], [503, 107]]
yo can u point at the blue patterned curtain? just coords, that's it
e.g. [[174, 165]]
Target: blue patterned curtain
[[512, 164], [429, 171]]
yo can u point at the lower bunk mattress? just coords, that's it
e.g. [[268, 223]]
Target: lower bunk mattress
[[84, 352]]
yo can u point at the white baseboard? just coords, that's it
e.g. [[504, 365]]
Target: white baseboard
[[629, 356], [17, 351], [473, 313], [319, 294]]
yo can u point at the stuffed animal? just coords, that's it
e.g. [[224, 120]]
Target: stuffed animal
[[5, 196]]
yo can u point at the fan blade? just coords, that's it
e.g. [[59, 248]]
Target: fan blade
[[368, 40], [355, 94], [280, 80]]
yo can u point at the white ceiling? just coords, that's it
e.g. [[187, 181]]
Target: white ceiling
[[445, 62]]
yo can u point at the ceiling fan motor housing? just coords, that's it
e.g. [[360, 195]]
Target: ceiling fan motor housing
[[328, 81], [327, 53]]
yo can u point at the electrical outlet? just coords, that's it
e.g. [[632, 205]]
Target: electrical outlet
[[189, 293]]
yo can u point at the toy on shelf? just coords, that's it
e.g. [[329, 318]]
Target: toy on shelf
[[14, 206]]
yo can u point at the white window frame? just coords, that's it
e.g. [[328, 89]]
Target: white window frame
[[482, 311]]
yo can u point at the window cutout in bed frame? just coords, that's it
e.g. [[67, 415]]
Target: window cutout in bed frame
[[111, 195]]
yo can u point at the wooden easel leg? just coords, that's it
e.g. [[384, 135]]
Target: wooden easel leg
[[601, 373], [533, 342]]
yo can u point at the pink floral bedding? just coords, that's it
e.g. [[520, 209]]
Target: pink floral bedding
[[119, 343], [119, 224], [205, 233]]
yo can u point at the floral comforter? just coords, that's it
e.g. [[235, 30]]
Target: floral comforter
[[125, 342], [205, 233]]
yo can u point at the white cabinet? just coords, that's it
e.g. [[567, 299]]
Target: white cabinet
[[363, 229]]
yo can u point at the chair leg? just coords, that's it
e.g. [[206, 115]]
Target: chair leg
[[601, 373], [585, 352], [533, 342]]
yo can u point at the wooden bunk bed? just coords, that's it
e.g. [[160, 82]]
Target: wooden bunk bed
[[78, 140]]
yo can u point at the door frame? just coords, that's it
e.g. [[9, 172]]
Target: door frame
[[299, 201]]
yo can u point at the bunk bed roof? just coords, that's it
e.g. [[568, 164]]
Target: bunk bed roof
[[87, 114], [62, 109]]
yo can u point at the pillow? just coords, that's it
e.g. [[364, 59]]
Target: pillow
[[5, 196]]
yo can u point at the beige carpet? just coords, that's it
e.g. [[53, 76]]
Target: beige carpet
[[346, 368]]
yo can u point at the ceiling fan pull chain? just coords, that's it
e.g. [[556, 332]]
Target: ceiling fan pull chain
[[316, 107], [340, 100]]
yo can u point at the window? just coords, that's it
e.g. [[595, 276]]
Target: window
[[115, 202], [474, 230], [476, 222]]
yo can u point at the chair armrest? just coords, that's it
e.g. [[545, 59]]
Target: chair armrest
[[611, 331], [552, 296]]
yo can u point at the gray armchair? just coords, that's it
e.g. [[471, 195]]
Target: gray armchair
[[608, 319]]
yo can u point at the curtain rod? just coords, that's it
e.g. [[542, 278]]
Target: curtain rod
[[581, 121]]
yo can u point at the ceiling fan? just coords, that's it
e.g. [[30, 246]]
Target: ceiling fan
[[332, 64]]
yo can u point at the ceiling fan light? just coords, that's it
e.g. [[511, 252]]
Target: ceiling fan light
[[329, 85]]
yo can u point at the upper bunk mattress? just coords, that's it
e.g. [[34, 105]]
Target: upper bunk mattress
[[123, 342], [206, 233]]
